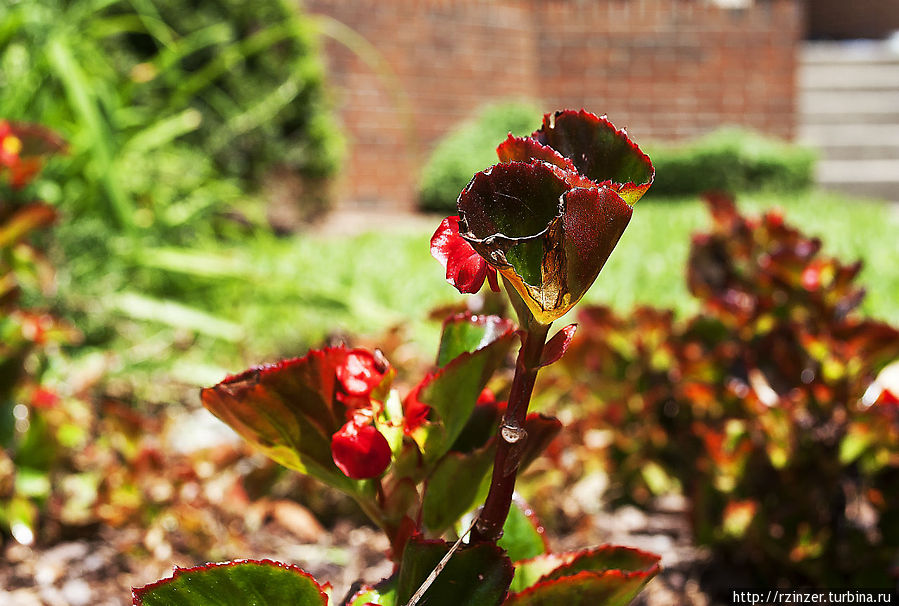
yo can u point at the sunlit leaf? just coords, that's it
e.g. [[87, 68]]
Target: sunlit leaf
[[523, 535], [465, 333], [603, 576], [237, 583]]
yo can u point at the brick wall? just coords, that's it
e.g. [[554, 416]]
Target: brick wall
[[664, 68]]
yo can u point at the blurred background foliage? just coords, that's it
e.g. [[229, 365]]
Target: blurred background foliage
[[469, 148], [728, 159], [176, 114]]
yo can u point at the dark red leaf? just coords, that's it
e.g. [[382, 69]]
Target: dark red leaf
[[556, 347], [600, 152], [524, 149]]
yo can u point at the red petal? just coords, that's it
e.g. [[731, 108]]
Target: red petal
[[465, 268], [359, 373], [415, 411], [487, 397], [361, 452], [558, 345]]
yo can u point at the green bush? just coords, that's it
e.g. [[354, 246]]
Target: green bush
[[468, 149], [220, 90], [730, 160]]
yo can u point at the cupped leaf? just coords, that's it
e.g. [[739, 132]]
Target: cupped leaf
[[237, 583], [465, 333], [605, 576], [523, 535], [477, 575], [599, 151], [288, 410], [525, 149], [548, 238]]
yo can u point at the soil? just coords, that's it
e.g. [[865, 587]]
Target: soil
[[99, 570]]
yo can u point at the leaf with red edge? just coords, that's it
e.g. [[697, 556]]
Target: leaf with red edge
[[463, 333], [22, 150], [360, 451], [604, 576], [289, 410], [23, 221], [452, 392], [523, 535], [236, 583], [466, 270], [556, 347], [477, 575], [548, 238], [600, 151], [525, 149], [382, 594]]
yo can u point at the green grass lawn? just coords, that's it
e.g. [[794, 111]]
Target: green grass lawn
[[271, 297]]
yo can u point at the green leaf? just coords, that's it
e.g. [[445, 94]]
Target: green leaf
[[447, 498], [464, 333], [453, 391], [383, 594], [477, 575], [523, 536], [605, 576], [237, 583]]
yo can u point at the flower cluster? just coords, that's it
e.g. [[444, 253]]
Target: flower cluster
[[549, 215], [359, 450]]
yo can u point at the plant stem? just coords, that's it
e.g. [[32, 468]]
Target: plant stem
[[512, 436]]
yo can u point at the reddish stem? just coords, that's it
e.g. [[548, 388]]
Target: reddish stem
[[512, 437]]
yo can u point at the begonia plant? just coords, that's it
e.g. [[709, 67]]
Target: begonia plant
[[28, 439], [544, 220]]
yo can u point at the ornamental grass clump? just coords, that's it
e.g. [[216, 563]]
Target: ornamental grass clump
[[542, 222]]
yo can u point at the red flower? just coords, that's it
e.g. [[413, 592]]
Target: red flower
[[415, 412], [465, 268], [360, 373], [360, 450]]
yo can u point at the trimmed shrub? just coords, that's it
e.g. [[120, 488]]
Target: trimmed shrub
[[731, 160], [468, 149]]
